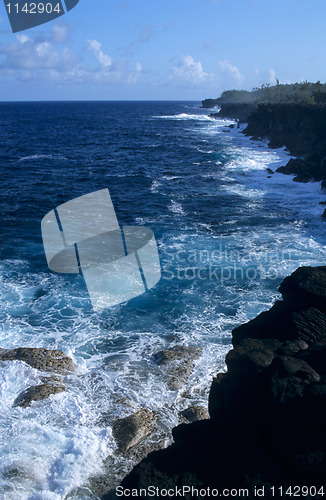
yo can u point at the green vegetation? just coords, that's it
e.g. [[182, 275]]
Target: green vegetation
[[304, 93]]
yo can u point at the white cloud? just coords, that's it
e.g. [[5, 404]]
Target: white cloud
[[22, 38], [188, 71], [104, 59], [27, 53], [38, 58], [230, 72]]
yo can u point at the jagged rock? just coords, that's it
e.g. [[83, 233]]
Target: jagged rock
[[130, 431], [282, 322], [295, 166], [241, 111], [268, 411], [194, 413], [297, 395], [299, 315], [270, 171], [177, 364], [251, 355], [39, 358], [37, 393], [306, 287]]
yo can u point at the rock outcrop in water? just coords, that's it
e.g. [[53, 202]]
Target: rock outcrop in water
[[177, 364], [130, 431], [45, 360], [39, 358], [267, 425], [38, 393]]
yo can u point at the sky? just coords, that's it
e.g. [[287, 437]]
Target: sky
[[163, 49]]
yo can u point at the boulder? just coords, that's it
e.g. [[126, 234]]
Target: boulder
[[39, 358], [291, 347], [37, 393], [251, 355], [177, 353], [194, 413], [131, 430], [177, 364]]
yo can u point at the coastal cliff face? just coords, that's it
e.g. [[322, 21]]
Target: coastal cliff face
[[237, 111], [302, 129], [210, 103], [267, 425]]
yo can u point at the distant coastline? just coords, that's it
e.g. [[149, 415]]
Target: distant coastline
[[293, 116]]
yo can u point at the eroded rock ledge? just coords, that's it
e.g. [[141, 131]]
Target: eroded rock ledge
[[267, 423]]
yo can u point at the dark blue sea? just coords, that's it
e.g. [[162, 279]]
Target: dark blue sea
[[227, 231]]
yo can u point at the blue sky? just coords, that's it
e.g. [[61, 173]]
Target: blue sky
[[163, 49]]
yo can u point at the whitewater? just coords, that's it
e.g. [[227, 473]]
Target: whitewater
[[228, 232]]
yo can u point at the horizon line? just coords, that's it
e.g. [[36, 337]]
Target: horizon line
[[101, 100]]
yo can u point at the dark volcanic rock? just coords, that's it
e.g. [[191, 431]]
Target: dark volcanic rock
[[209, 103], [130, 431], [306, 287], [268, 411], [315, 356], [37, 393], [301, 315], [299, 128], [241, 111], [282, 322], [39, 358]]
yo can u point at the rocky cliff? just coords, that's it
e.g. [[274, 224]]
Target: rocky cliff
[[302, 129], [267, 426]]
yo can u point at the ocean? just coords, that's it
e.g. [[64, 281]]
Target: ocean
[[227, 231]]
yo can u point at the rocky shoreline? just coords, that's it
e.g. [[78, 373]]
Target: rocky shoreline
[[300, 128], [266, 427], [266, 424], [136, 432], [267, 412]]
